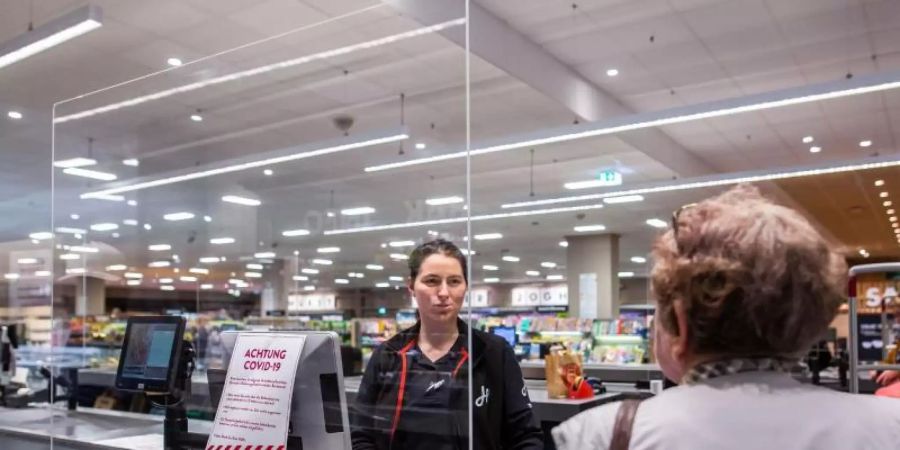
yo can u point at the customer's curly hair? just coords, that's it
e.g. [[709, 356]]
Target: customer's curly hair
[[756, 278]]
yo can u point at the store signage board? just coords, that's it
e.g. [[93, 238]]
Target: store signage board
[[311, 302], [557, 295], [479, 297], [255, 408], [587, 293]]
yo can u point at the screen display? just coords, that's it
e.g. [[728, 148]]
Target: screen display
[[149, 351], [508, 333]]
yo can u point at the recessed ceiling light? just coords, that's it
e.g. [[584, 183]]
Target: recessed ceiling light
[[382, 285], [167, 287], [159, 264], [116, 268], [420, 146], [395, 278], [264, 255], [399, 256], [69, 256], [206, 286], [199, 270], [887, 203], [444, 201], [74, 162], [626, 274], [883, 194], [374, 267], [299, 278], [397, 244], [532, 273], [70, 230], [624, 199], [815, 149], [589, 228], [210, 259], [74, 216], [510, 258], [638, 259], [322, 262], [807, 139], [105, 226], [298, 232], [890, 211], [341, 281], [657, 223], [310, 271], [252, 274], [330, 214], [178, 216], [148, 227], [892, 218], [27, 261], [196, 117], [132, 162], [241, 200], [76, 271], [165, 281], [612, 72], [894, 225], [488, 236], [491, 280], [268, 172], [879, 182], [554, 277], [15, 115], [563, 243], [222, 240], [254, 266], [548, 264], [490, 267], [357, 211], [174, 62], [132, 202], [92, 174], [865, 143], [207, 219], [11, 276], [159, 247], [328, 249]]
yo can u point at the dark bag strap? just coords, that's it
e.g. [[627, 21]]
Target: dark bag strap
[[621, 436]]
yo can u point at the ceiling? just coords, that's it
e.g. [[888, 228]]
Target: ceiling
[[535, 67]]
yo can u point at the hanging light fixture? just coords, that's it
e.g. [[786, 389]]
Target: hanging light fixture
[[51, 34]]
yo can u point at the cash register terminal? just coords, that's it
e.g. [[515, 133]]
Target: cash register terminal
[[157, 361]]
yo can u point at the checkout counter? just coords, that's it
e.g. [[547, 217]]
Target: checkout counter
[[88, 428]]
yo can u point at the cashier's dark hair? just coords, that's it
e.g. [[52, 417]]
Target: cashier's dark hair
[[437, 246]]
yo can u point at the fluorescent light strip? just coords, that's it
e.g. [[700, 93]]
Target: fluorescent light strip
[[222, 241], [159, 247], [357, 211], [199, 270], [84, 249], [116, 267], [74, 162], [264, 255], [723, 180], [396, 244], [443, 201], [488, 236], [67, 230], [51, 34], [254, 266], [241, 200], [623, 199], [426, 223], [92, 174], [767, 100], [323, 149], [173, 217], [262, 70], [328, 249]]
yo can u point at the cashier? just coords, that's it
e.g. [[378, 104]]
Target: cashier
[[415, 391]]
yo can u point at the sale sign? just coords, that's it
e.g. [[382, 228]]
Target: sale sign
[[255, 409]]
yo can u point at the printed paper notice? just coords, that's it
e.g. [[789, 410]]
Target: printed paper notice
[[255, 408]]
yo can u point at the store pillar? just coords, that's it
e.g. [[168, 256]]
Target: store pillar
[[592, 267], [277, 283], [90, 296]]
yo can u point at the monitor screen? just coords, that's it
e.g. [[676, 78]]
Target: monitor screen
[[508, 333], [150, 353]]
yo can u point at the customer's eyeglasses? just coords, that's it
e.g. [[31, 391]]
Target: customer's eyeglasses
[[675, 215]]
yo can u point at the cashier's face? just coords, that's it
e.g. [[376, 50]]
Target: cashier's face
[[439, 289]]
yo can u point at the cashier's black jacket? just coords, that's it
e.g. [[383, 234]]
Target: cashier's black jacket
[[500, 405]]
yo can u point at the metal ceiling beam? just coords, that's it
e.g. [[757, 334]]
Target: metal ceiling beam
[[494, 41]]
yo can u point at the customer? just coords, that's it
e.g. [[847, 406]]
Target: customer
[[414, 393], [743, 288]]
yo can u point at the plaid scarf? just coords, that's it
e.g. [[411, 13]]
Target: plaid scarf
[[732, 366]]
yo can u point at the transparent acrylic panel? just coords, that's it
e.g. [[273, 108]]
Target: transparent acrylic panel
[[237, 196], [592, 124]]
